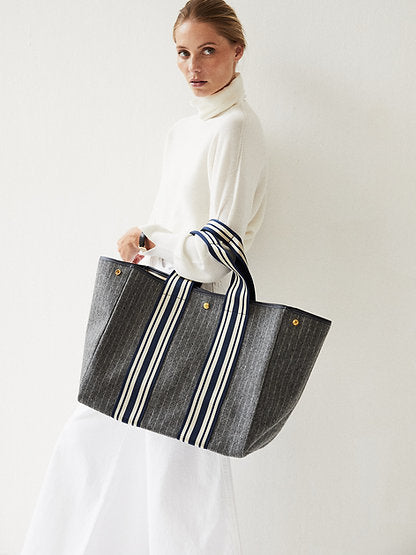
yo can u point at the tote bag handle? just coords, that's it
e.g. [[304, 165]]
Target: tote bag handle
[[226, 247], [220, 240]]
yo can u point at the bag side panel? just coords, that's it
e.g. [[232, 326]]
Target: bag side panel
[[105, 374], [294, 355], [107, 289]]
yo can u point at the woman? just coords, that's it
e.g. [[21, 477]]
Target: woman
[[113, 488]]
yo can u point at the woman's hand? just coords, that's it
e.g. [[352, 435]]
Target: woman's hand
[[128, 245]]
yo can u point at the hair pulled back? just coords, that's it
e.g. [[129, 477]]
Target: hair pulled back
[[215, 12]]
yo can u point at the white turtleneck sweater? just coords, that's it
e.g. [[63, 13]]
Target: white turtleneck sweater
[[214, 166]]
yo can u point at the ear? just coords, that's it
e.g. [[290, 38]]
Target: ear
[[239, 51]]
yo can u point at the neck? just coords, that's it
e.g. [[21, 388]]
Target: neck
[[222, 88]]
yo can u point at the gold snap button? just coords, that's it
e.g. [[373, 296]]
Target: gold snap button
[[295, 322], [118, 272], [206, 306]]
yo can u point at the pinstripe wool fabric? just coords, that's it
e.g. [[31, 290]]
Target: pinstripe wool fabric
[[278, 350]]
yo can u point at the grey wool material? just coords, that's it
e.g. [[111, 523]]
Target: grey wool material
[[278, 351]]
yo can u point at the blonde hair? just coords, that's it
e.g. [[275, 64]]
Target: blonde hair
[[217, 13]]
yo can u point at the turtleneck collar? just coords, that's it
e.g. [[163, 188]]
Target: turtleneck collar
[[214, 104]]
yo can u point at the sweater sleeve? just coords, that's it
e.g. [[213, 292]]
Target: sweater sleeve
[[236, 176]]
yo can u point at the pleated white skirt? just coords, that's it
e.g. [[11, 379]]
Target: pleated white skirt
[[113, 489]]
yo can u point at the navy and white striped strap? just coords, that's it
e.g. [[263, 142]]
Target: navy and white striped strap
[[226, 247], [151, 350], [222, 357]]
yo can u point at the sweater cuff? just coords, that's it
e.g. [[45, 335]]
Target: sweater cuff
[[165, 241]]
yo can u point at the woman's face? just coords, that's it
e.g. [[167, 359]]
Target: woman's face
[[206, 59]]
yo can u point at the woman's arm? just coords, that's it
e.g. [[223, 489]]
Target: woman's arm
[[236, 174]]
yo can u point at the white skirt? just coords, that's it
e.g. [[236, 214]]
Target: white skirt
[[113, 489]]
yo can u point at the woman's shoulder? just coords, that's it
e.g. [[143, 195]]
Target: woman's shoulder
[[239, 122], [238, 117], [234, 123]]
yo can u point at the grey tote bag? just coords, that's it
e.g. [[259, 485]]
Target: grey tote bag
[[220, 372]]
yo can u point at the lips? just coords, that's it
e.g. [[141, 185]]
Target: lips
[[195, 83]]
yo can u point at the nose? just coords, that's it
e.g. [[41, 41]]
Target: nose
[[193, 65]]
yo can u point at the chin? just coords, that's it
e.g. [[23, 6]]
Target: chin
[[199, 92]]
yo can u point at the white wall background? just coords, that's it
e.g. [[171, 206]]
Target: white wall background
[[88, 90]]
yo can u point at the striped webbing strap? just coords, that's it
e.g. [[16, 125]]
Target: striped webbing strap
[[226, 247], [151, 350], [216, 374]]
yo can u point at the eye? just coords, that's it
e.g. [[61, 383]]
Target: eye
[[183, 53], [209, 50]]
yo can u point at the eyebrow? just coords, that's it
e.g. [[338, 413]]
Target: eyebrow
[[205, 43]]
